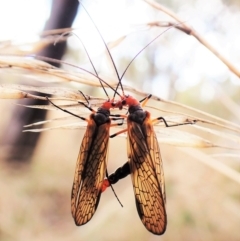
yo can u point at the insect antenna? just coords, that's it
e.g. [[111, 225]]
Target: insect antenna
[[120, 80], [48, 59], [90, 60], [100, 80], [109, 53], [143, 50]]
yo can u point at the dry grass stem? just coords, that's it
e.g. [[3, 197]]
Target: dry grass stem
[[189, 30]]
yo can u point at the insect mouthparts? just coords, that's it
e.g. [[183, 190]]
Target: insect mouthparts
[[124, 102]]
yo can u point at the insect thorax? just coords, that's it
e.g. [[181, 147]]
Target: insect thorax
[[101, 116], [137, 114]]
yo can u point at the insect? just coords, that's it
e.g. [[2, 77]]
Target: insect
[[91, 166], [145, 166], [91, 163]]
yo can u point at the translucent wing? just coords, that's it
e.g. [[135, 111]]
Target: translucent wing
[[153, 146], [147, 175], [90, 172]]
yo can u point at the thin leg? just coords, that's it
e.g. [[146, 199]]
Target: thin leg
[[84, 96], [118, 133], [143, 99], [144, 102], [115, 119], [118, 115], [122, 117], [82, 118], [157, 120], [88, 107], [116, 124]]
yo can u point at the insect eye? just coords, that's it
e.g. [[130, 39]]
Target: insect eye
[[113, 104]]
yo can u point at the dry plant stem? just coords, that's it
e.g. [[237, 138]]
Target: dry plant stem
[[227, 124], [232, 126], [192, 32], [216, 165], [15, 94], [55, 31]]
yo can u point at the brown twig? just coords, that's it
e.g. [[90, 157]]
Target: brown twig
[[195, 34]]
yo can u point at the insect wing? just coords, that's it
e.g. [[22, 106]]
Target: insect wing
[[143, 158], [90, 172], [153, 146], [81, 161]]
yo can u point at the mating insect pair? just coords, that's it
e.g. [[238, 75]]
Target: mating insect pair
[[144, 164], [144, 158]]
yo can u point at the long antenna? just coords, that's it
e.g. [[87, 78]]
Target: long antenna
[[74, 66], [85, 49], [109, 53], [142, 51]]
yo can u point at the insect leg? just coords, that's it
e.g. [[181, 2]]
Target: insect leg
[[159, 119], [118, 133], [66, 111], [145, 100], [88, 107]]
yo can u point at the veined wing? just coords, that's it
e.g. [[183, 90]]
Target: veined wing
[[81, 161], [90, 172], [153, 146], [148, 191]]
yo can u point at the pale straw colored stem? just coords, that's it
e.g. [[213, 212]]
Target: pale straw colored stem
[[194, 33]]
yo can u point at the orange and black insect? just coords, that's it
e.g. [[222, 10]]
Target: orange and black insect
[[145, 166], [91, 167], [144, 161], [91, 164]]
